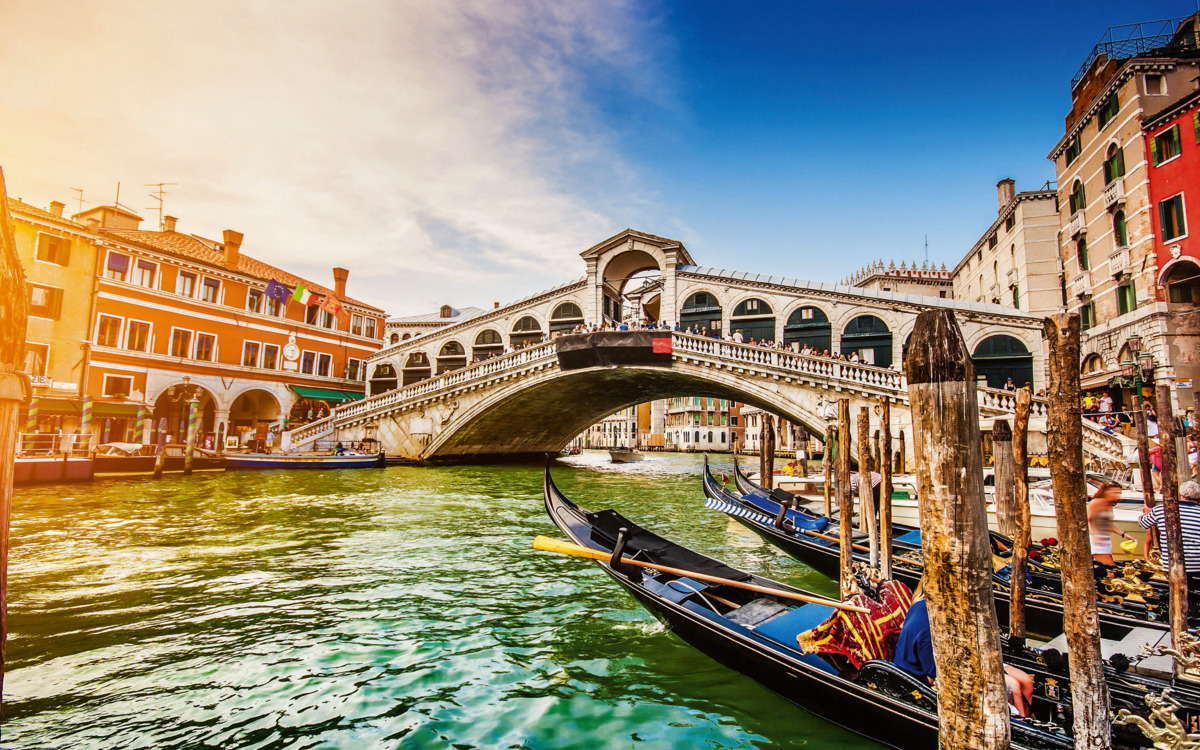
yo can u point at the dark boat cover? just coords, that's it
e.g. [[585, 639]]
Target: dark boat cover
[[606, 348], [653, 548]]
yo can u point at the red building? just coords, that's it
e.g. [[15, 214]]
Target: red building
[[1172, 140]]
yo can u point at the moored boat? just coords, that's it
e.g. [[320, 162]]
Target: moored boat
[[49, 469], [625, 455], [347, 460]]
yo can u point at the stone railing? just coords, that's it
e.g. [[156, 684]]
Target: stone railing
[[1108, 445], [1005, 402]]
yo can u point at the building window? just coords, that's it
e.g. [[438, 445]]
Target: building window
[[37, 358], [270, 357], [53, 249], [249, 354], [108, 331], [1156, 84], [991, 241], [1120, 232], [310, 314], [1087, 316], [1170, 213], [206, 347], [137, 336], [1114, 164], [308, 361], [211, 291], [369, 328], [146, 274], [1078, 198], [1165, 146], [353, 369], [181, 343], [45, 301], [1108, 112], [274, 307], [356, 324], [117, 386], [1009, 222], [1180, 293], [1126, 299], [185, 284], [324, 363], [116, 267], [1073, 149], [1016, 298], [1081, 251], [326, 319], [254, 299]]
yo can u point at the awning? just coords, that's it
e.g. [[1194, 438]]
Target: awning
[[325, 394], [1097, 379], [113, 409], [59, 406]]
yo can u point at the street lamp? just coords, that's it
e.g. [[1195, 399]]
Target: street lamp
[[1141, 370]]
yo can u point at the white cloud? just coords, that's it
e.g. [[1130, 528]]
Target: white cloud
[[444, 152]]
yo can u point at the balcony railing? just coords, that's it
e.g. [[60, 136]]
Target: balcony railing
[[1114, 192], [1011, 277], [1081, 285], [1118, 261], [1076, 225]]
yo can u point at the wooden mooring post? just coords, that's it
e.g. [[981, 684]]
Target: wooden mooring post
[[845, 506], [766, 451], [866, 500], [1002, 464], [830, 432], [1023, 538], [14, 388], [1176, 573], [885, 489], [900, 467], [972, 707], [1081, 622], [801, 447]]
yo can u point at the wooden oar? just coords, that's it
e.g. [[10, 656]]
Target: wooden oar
[[546, 544], [858, 547]]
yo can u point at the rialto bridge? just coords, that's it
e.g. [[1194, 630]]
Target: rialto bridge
[[493, 384]]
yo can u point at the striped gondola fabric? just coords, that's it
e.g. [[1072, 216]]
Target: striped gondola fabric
[[734, 510]]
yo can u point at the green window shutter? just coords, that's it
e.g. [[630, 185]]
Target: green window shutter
[[1156, 150], [1196, 124], [1180, 223], [1175, 140]]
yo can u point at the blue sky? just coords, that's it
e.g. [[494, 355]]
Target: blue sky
[[466, 152]]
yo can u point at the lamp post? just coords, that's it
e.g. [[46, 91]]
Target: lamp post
[[1141, 371]]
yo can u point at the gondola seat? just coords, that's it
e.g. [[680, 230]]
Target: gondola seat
[[909, 537], [891, 680], [861, 637], [786, 627]]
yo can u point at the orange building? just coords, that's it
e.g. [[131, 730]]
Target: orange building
[[175, 317]]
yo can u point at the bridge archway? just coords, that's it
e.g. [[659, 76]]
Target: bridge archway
[[488, 344], [1001, 357], [754, 318], [809, 326], [525, 331], [701, 310], [383, 379], [871, 338], [416, 368], [452, 356]]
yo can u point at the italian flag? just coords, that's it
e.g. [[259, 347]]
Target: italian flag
[[303, 296]]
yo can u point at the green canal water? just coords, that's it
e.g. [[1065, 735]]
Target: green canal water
[[394, 608]]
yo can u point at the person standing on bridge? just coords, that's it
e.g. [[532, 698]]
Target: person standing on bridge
[[737, 336]]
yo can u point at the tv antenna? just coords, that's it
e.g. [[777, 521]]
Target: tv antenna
[[80, 191], [159, 195], [926, 249]]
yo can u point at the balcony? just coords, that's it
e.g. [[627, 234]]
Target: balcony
[[1114, 192], [1076, 225], [1011, 277], [1081, 285], [1118, 261]]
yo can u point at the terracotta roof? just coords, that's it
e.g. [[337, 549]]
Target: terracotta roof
[[19, 206], [192, 248]]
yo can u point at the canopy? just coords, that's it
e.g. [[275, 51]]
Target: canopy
[[325, 394]]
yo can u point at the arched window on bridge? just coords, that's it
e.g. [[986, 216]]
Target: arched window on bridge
[[808, 325], [1001, 357], [870, 337], [416, 368], [406, 337], [701, 310], [488, 344], [527, 331], [394, 338], [755, 319], [451, 357], [383, 379], [565, 317]]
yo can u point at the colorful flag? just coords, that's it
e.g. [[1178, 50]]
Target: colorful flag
[[277, 291], [302, 295], [330, 305]]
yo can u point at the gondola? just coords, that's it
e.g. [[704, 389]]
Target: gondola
[[755, 634], [1118, 611]]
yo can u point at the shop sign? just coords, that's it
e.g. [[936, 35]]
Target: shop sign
[[1183, 383]]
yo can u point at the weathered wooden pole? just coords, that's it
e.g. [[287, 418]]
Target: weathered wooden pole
[[1002, 464], [160, 456], [1023, 538], [845, 507], [972, 708], [1143, 447], [14, 387], [875, 451], [900, 467], [801, 447], [830, 432], [1176, 572], [885, 489], [866, 501], [1064, 439], [766, 452], [190, 448], [1194, 420]]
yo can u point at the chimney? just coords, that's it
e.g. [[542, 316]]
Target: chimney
[[169, 223], [56, 208], [495, 305], [1006, 190], [339, 282], [93, 225], [233, 248]]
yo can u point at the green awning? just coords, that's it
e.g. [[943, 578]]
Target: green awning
[[110, 409], [325, 394], [59, 406]]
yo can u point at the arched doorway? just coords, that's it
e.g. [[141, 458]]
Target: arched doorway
[[383, 379], [1001, 357], [1182, 282], [565, 317], [527, 331], [702, 310], [871, 338], [172, 405], [451, 357], [755, 319], [808, 326], [252, 414], [488, 344], [416, 368]]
